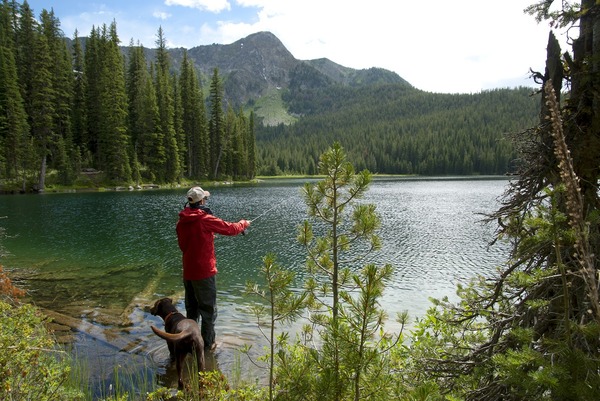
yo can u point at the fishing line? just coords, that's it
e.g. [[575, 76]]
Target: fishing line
[[269, 210], [265, 212]]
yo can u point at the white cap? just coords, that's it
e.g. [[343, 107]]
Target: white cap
[[196, 194]]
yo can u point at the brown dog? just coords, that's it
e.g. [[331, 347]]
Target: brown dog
[[182, 335]]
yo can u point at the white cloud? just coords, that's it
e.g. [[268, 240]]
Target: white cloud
[[161, 15], [450, 46], [215, 6]]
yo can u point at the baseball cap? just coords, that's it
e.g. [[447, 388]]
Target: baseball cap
[[196, 194]]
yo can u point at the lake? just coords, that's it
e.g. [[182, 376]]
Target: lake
[[102, 258]]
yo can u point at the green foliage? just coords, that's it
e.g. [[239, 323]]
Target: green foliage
[[491, 343], [31, 367], [350, 357], [194, 121], [561, 17], [13, 118], [367, 356], [63, 110], [211, 385], [386, 126], [532, 331], [278, 303], [327, 201], [396, 129], [171, 167], [113, 139], [216, 129]]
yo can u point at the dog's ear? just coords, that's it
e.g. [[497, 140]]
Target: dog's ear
[[154, 308], [169, 300]]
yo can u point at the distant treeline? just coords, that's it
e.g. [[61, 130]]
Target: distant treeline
[[69, 108], [396, 129]]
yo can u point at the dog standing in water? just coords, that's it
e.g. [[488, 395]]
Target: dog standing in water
[[183, 335]]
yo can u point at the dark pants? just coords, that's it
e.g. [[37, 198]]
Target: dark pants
[[201, 302]]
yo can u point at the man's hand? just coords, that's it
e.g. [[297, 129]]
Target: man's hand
[[246, 224]]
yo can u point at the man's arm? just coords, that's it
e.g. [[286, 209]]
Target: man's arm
[[223, 227]]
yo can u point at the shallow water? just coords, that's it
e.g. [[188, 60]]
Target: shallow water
[[104, 257]]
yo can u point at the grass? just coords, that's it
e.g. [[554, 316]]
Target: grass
[[271, 109]]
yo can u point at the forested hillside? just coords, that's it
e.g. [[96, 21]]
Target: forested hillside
[[386, 124], [396, 129], [65, 110]]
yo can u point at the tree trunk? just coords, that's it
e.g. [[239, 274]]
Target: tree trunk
[[218, 161], [582, 132], [42, 181]]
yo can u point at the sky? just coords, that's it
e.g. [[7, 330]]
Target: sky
[[442, 46]]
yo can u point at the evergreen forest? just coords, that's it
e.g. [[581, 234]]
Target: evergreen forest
[[89, 108], [393, 128]]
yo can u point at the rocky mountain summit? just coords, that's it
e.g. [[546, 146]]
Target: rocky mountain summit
[[259, 64]]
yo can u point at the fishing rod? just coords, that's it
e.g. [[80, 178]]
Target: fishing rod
[[265, 212]]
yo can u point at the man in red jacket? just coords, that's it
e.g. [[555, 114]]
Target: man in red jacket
[[195, 233]]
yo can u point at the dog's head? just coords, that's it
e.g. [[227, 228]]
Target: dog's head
[[162, 307]]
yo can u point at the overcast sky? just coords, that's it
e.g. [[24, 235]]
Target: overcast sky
[[449, 46]]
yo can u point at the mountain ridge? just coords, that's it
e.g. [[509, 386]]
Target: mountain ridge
[[258, 70], [259, 65]]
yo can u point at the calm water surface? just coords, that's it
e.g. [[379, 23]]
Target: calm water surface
[[103, 258]]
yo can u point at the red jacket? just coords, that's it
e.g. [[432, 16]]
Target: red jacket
[[195, 234]]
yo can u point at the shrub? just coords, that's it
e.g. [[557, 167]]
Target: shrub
[[31, 366]]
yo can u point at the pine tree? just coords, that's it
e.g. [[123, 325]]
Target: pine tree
[[328, 257], [251, 147], [239, 147], [40, 93], [193, 121], [164, 95], [61, 149], [351, 360], [143, 114], [178, 126], [113, 139], [25, 36], [230, 129], [79, 110], [151, 144], [14, 129], [92, 74], [34, 82], [278, 305], [216, 125]]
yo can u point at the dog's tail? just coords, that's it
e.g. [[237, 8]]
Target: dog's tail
[[169, 336]]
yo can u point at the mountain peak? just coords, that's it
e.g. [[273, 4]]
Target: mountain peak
[[262, 37], [259, 63]]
